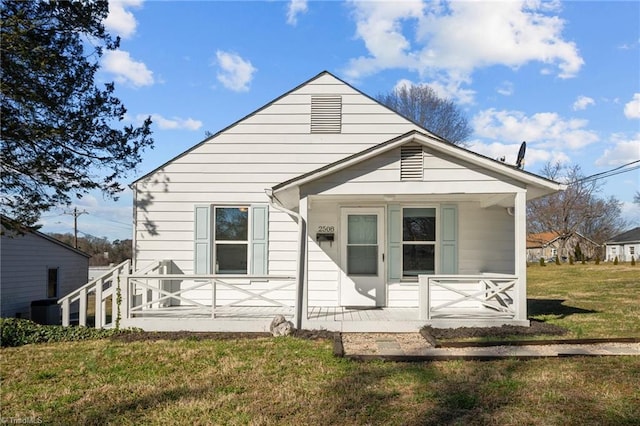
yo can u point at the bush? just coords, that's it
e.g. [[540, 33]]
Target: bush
[[542, 262], [570, 260], [557, 259], [18, 332], [615, 261], [633, 261], [597, 259]]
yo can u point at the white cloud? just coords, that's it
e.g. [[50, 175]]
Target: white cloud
[[296, 7], [546, 130], [582, 102], [126, 70], [622, 151], [632, 108], [533, 156], [236, 73], [173, 123], [452, 39], [505, 88], [120, 20]]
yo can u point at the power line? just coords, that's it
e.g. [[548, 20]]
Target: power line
[[615, 171]]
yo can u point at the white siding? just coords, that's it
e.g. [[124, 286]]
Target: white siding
[[382, 175], [271, 146], [485, 240], [25, 263]]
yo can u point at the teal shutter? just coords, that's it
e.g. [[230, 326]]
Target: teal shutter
[[449, 240], [394, 262], [259, 239], [202, 239]]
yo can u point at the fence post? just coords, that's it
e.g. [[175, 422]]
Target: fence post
[[98, 303], [65, 312], [82, 311]]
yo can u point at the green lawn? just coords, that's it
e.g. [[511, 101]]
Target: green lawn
[[590, 300], [292, 381]]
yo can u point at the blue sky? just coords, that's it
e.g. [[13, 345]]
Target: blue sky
[[564, 76]]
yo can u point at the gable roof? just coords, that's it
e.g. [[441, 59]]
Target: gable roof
[[26, 230], [631, 236], [547, 186], [542, 239], [267, 105]]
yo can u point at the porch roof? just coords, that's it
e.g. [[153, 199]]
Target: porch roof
[[537, 186]]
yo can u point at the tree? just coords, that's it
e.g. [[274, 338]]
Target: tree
[[62, 135], [421, 104], [576, 210]]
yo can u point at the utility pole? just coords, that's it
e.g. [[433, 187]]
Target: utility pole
[[75, 214]]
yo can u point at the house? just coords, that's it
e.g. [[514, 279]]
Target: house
[[547, 245], [35, 266], [624, 246], [331, 209]]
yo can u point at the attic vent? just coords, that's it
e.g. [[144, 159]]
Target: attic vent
[[326, 114], [411, 162]]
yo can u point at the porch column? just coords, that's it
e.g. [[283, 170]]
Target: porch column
[[520, 231], [302, 301]]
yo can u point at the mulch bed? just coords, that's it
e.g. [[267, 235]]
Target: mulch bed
[[142, 336], [537, 328]]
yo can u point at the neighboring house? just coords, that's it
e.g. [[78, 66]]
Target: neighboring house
[[35, 266], [328, 207], [624, 246], [548, 244]]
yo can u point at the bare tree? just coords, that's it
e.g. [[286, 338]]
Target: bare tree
[[421, 104], [576, 210]]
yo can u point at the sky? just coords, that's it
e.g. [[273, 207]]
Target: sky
[[562, 76]]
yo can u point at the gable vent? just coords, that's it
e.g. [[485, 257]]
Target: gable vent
[[326, 114], [411, 162]]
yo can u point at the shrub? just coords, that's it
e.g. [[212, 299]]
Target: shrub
[[578, 252], [633, 261], [542, 262], [597, 259], [570, 260], [557, 259], [615, 261], [584, 262], [18, 332]]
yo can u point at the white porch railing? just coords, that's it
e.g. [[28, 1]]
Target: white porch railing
[[209, 295], [102, 288], [468, 296]]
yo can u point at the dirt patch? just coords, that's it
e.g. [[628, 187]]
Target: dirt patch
[[537, 328], [142, 336]]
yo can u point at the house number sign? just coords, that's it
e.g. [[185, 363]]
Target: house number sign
[[326, 229]]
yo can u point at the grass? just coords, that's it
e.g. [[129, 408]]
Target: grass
[[591, 301], [274, 381]]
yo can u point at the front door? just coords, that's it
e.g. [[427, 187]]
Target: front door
[[362, 280]]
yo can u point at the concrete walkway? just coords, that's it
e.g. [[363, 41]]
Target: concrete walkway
[[413, 347]]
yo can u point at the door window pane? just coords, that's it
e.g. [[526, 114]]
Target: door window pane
[[52, 282], [231, 258], [418, 259], [362, 229], [362, 260]]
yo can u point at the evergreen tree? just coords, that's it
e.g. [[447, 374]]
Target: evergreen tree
[[61, 133]]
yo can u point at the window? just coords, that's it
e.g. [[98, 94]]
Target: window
[[231, 236], [632, 250], [362, 244], [554, 252], [418, 241], [52, 282]]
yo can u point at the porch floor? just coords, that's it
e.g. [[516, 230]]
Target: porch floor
[[258, 318]]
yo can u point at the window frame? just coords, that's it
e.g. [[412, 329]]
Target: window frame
[[435, 243], [56, 288], [215, 241]]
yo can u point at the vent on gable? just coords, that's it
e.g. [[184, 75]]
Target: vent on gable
[[411, 162], [326, 114]]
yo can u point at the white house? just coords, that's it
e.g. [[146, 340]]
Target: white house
[[35, 266], [624, 246], [328, 207]]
